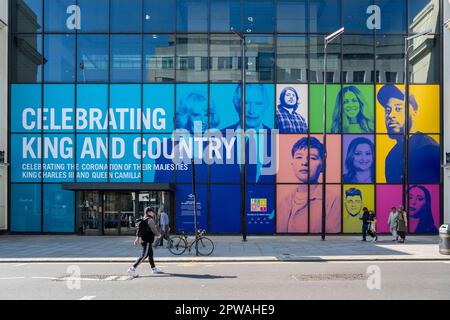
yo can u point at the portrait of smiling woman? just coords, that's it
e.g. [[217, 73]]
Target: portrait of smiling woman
[[353, 117], [360, 161], [420, 209]]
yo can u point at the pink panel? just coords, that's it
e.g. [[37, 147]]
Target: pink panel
[[388, 196], [333, 209]]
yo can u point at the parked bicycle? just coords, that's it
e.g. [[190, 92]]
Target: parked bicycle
[[179, 243]]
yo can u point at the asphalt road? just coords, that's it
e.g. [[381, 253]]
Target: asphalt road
[[228, 281]]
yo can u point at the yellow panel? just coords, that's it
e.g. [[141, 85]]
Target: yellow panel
[[428, 114], [353, 224], [384, 145]]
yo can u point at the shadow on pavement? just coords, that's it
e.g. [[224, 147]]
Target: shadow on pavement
[[190, 276]]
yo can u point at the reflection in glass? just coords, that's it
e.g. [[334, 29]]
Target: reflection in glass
[[192, 58], [225, 57], [225, 14], [292, 59], [25, 208], [159, 15], [317, 60], [259, 16], [59, 58], [390, 55], [424, 60], [56, 17], [27, 15], [92, 60], [192, 16], [159, 58], [423, 15], [355, 15], [324, 16], [358, 59], [95, 15], [59, 208], [260, 59], [394, 15], [26, 58], [292, 15], [126, 15], [126, 58]]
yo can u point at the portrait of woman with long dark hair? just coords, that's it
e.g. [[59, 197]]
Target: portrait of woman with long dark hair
[[420, 209], [360, 161]]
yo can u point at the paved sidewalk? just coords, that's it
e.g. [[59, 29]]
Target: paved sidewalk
[[227, 249]]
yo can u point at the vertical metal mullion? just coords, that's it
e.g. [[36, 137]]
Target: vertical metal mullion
[[75, 179], [142, 92], [41, 119]]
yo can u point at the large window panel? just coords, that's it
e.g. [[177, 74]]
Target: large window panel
[[126, 15], [26, 16], [192, 15], [95, 15], [159, 15], [26, 208], [423, 15], [390, 59], [192, 58], [316, 74], [26, 99], [259, 16], [292, 15], [125, 158], [225, 58], [59, 159], [92, 60], [324, 15], [59, 209], [424, 57], [159, 58], [56, 17], [225, 14], [225, 215], [26, 58], [358, 59], [25, 159], [355, 16], [126, 58], [260, 59], [292, 59], [59, 55], [393, 16]]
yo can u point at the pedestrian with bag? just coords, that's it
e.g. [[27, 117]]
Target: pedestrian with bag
[[402, 226], [145, 236], [393, 223], [365, 223]]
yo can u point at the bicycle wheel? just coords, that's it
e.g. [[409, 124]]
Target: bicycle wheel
[[177, 245], [205, 246]]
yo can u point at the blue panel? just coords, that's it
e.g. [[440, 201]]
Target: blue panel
[[25, 158], [225, 14], [92, 58], [159, 16], [324, 16], [185, 208], [59, 209], [25, 96], [56, 17], [393, 15], [125, 58], [355, 15], [92, 103], [261, 158], [158, 166], [58, 158], [126, 15], [259, 16], [260, 219], [192, 106], [161, 100], [125, 101], [228, 169], [225, 214], [95, 15], [192, 15], [125, 162], [222, 102], [60, 101], [60, 58], [292, 16], [26, 208], [92, 162]]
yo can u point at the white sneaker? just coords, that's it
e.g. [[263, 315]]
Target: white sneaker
[[132, 272], [156, 271]]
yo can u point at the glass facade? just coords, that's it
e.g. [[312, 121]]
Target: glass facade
[[113, 91]]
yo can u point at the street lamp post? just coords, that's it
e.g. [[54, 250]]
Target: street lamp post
[[328, 39], [407, 120], [243, 153]]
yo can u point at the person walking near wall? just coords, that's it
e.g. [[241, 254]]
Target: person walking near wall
[[393, 223], [373, 226], [365, 223], [164, 225], [145, 235], [402, 225]]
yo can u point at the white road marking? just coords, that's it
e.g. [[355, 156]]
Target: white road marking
[[13, 278], [88, 298], [21, 265], [112, 278], [124, 278], [44, 278]]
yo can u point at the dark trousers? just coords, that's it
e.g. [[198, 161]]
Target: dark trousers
[[365, 228], [164, 235], [147, 252]]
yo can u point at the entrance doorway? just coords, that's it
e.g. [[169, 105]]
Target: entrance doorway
[[115, 213]]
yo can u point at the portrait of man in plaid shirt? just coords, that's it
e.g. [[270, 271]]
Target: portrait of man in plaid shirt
[[288, 120]]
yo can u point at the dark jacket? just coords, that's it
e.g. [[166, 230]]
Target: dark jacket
[[366, 218]]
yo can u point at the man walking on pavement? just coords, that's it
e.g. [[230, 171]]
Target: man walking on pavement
[[145, 235], [365, 223], [164, 225]]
